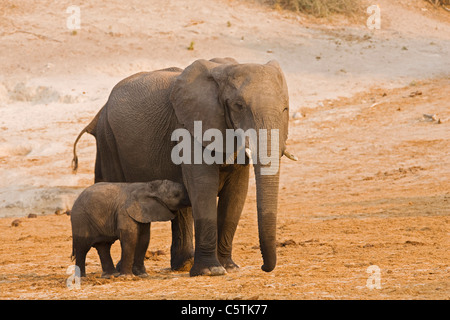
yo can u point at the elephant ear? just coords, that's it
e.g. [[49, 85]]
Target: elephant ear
[[226, 60], [145, 209], [195, 95]]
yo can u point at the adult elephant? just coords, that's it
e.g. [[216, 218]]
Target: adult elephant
[[134, 143]]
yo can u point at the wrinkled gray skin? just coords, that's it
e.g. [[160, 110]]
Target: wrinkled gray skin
[[106, 212], [133, 132]]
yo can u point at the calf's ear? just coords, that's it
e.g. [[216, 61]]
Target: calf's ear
[[148, 209]]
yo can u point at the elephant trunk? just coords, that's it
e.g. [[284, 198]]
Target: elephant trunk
[[267, 202]]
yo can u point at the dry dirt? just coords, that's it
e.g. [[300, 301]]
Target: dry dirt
[[370, 123]]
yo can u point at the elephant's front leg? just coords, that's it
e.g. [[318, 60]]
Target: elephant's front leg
[[231, 202], [128, 242], [202, 183], [141, 249]]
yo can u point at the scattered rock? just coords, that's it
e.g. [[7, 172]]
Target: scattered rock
[[431, 118], [286, 243], [297, 115], [15, 150], [36, 95], [398, 173], [32, 215], [60, 212], [16, 223], [415, 93], [414, 243], [25, 238], [153, 255]]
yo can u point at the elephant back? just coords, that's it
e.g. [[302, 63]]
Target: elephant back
[[140, 119]]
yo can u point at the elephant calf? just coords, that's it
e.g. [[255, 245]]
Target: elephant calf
[[105, 212]]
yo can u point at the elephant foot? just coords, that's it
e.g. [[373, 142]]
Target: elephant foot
[[108, 275], [229, 264], [182, 262], [118, 266], [137, 270], [140, 271], [185, 266], [198, 270], [141, 274]]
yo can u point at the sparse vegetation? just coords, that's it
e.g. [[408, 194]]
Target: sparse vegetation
[[444, 3], [438, 2], [320, 8]]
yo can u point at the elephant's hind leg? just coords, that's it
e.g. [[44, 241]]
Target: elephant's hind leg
[[108, 167], [81, 248], [98, 177], [104, 252]]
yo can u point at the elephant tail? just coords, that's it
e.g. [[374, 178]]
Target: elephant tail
[[75, 157], [72, 256], [90, 128]]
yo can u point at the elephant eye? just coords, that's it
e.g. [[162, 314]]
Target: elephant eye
[[238, 106]]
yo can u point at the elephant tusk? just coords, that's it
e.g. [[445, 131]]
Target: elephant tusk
[[248, 152], [290, 155]]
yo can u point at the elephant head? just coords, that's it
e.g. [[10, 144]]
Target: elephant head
[[224, 94], [155, 201]]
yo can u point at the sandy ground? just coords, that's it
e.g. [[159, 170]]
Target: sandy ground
[[371, 188]]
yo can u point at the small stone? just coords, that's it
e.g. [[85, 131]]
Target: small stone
[[297, 115]]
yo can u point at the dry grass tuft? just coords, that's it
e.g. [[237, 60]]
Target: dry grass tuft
[[320, 8]]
